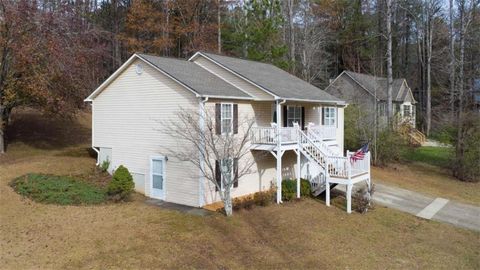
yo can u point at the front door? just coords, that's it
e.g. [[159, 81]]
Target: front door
[[157, 177]]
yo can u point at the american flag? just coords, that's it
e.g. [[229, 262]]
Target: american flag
[[360, 154]]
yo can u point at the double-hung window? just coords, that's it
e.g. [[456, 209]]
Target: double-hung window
[[294, 115], [406, 111], [329, 116], [226, 118]]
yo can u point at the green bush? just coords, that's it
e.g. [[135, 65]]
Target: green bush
[[305, 188], [105, 165], [54, 189], [289, 189], [390, 147], [121, 185]]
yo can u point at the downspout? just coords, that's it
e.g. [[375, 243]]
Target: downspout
[[201, 178], [93, 147]]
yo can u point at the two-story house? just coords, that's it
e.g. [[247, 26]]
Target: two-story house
[[298, 125]]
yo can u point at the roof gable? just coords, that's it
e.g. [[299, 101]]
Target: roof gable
[[271, 79], [378, 86], [195, 79]]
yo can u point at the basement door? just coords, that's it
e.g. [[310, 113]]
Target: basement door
[[157, 177]]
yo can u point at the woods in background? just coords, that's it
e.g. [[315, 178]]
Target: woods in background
[[54, 52]]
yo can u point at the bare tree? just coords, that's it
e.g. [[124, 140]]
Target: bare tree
[[312, 41], [389, 60], [291, 33], [222, 159], [452, 60], [219, 26]]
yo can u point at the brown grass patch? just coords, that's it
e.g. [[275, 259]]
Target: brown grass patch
[[428, 179]]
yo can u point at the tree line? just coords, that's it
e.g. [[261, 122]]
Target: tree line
[[55, 52]]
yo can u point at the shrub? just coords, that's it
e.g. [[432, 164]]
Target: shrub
[[105, 165], [363, 199], [390, 147], [262, 198], [54, 189], [305, 188], [289, 189], [121, 185]]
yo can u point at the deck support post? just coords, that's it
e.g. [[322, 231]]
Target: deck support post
[[279, 175], [349, 198], [327, 191], [298, 171], [278, 108]]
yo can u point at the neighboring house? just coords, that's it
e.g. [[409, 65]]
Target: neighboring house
[[361, 89], [128, 110]]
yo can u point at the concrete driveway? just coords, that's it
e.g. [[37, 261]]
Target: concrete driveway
[[423, 206]]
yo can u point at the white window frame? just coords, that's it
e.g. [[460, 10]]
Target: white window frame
[[330, 120], [232, 175], [164, 175], [295, 118], [409, 110], [222, 131]]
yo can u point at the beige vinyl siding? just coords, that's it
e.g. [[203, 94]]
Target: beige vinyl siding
[[232, 79], [128, 117], [263, 171]]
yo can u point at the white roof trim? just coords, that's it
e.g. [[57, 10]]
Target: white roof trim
[[409, 91], [123, 67], [315, 101], [110, 79], [233, 72]]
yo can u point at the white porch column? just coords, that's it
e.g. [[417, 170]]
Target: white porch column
[[327, 192], [298, 171], [349, 198], [279, 176], [279, 152]]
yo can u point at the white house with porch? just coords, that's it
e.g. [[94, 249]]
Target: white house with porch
[[297, 133]]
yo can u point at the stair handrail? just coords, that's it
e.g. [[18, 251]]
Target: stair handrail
[[323, 145]]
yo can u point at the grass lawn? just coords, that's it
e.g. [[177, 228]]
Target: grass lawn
[[437, 156], [303, 235], [426, 171]]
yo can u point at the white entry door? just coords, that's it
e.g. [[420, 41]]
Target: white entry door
[[157, 177]]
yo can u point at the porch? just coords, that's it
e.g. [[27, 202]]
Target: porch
[[315, 143]]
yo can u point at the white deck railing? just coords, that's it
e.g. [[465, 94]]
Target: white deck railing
[[323, 132], [268, 135]]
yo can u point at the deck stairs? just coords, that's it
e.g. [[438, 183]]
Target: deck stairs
[[335, 167]]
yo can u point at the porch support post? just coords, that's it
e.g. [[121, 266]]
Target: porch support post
[[349, 198], [298, 171], [279, 151], [279, 176], [327, 191]]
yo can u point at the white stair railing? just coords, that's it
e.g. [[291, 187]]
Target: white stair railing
[[319, 142]]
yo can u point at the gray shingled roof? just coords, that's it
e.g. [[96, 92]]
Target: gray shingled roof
[[195, 77], [275, 80], [381, 84]]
